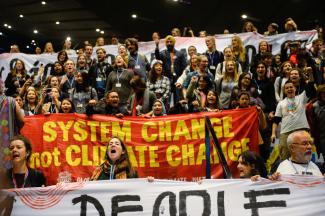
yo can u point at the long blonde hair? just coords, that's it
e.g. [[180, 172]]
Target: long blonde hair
[[227, 77], [240, 49]]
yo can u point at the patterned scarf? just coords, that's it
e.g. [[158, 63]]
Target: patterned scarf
[[121, 170]]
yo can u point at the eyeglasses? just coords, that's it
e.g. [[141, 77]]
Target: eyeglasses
[[305, 143]]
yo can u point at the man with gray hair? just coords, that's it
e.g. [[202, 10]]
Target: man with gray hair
[[300, 146]]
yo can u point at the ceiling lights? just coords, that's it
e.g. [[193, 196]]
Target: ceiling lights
[[21, 16], [35, 31], [134, 16], [43, 2], [7, 26], [57, 22]]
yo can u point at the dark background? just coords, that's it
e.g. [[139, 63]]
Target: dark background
[[79, 19]]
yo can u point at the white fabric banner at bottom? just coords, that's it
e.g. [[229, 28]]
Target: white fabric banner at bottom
[[293, 196]]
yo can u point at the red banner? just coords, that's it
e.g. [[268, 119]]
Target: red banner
[[173, 147]]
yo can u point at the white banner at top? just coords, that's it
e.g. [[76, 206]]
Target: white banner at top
[[298, 196], [250, 40]]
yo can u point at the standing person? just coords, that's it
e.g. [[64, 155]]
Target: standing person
[[62, 57], [300, 82], [221, 67], [249, 27], [174, 63], [100, 41], [117, 164], [225, 85], [67, 106], [82, 65], [158, 83], [201, 69], [89, 52], [239, 51], [214, 56], [317, 60], [272, 29], [57, 70], [158, 109], [109, 105], [21, 175], [122, 51], [285, 70], [99, 72], [16, 78], [290, 25], [245, 84], [119, 80], [136, 61], [190, 68], [291, 113], [10, 118], [67, 47], [53, 106], [265, 89], [68, 80], [315, 111], [82, 93], [263, 47], [141, 101], [197, 92], [212, 102], [31, 101], [48, 48]]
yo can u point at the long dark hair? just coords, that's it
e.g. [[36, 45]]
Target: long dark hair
[[73, 108], [85, 82], [241, 76], [124, 157], [207, 80], [216, 104], [255, 161], [152, 74]]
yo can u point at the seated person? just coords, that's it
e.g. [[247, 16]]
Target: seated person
[[117, 164], [107, 105], [300, 146]]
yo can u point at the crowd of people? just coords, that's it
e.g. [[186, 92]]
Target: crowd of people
[[287, 89]]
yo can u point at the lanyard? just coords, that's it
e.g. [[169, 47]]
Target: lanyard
[[118, 75], [136, 60], [211, 59], [70, 83], [52, 108], [15, 182], [304, 173], [111, 173]]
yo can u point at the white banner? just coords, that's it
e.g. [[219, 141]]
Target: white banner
[[295, 196], [251, 41]]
